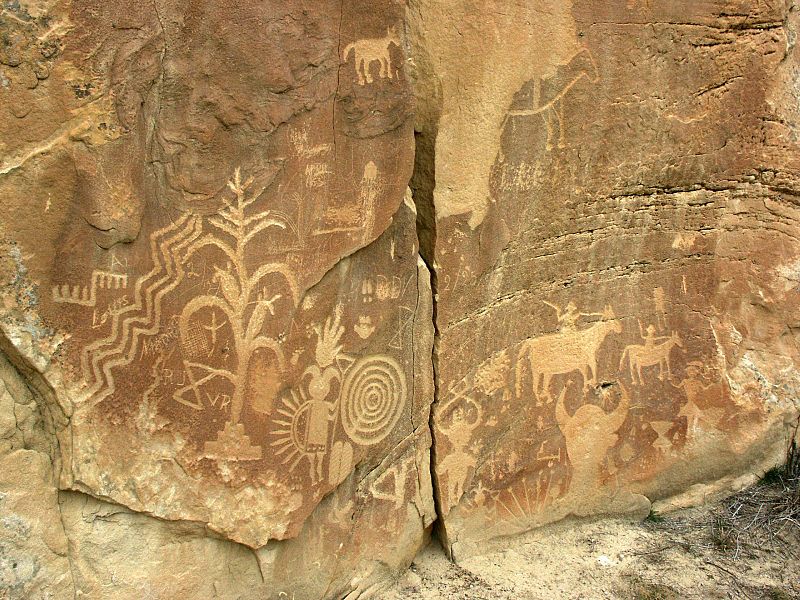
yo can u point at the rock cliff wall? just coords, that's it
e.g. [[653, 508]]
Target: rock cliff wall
[[287, 286]]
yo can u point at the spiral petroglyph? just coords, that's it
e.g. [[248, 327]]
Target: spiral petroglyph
[[373, 397]]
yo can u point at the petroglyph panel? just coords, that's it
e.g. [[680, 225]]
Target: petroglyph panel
[[611, 304], [210, 242]]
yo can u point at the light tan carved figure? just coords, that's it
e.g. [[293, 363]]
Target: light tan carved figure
[[548, 94], [370, 50], [589, 434], [87, 295], [239, 290], [367, 401], [456, 465], [564, 352], [650, 353]]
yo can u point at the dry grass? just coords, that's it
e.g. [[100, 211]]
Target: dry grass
[[765, 516], [759, 524]]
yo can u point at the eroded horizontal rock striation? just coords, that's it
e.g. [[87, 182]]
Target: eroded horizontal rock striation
[[286, 282]]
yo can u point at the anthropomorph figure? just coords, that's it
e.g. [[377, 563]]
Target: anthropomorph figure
[[458, 462], [568, 318], [649, 335], [322, 411]]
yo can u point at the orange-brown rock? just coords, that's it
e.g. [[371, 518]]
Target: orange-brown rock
[[222, 306], [210, 272], [615, 248]]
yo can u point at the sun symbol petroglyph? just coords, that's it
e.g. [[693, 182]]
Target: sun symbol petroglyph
[[366, 396]]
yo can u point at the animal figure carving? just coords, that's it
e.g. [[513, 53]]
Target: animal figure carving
[[547, 95], [649, 354], [370, 50], [588, 435], [564, 352]]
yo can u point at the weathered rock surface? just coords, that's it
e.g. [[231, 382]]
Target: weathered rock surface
[[219, 296], [212, 288], [616, 251]]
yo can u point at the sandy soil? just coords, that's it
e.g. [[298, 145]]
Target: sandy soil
[[687, 555]]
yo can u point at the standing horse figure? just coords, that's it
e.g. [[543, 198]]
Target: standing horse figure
[[647, 355], [564, 352]]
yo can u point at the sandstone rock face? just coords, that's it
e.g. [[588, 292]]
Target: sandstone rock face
[[615, 247], [211, 284], [220, 297]]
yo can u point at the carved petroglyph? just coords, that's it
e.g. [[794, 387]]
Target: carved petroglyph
[[663, 443], [393, 492], [243, 303], [388, 288], [143, 317], [340, 464], [365, 327], [492, 374], [458, 462], [589, 433], [704, 408], [564, 352], [302, 148], [365, 396], [87, 295], [374, 395], [355, 216], [368, 51], [547, 95], [650, 353], [368, 196]]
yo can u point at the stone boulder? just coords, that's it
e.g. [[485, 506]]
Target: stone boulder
[[610, 202], [211, 285]]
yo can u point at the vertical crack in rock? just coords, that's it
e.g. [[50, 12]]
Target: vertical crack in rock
[[428, 97], [423, 182]]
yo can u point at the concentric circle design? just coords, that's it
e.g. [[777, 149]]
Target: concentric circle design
[[373, 398]]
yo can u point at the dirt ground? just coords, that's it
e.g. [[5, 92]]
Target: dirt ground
[[727, 550]]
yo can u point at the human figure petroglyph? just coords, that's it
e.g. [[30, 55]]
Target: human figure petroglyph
[[367, 402], [564, 352], [568, 318], [321, 410], [650, 353], [370, 50], [548, 94], [458, 462], [660, 301]]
